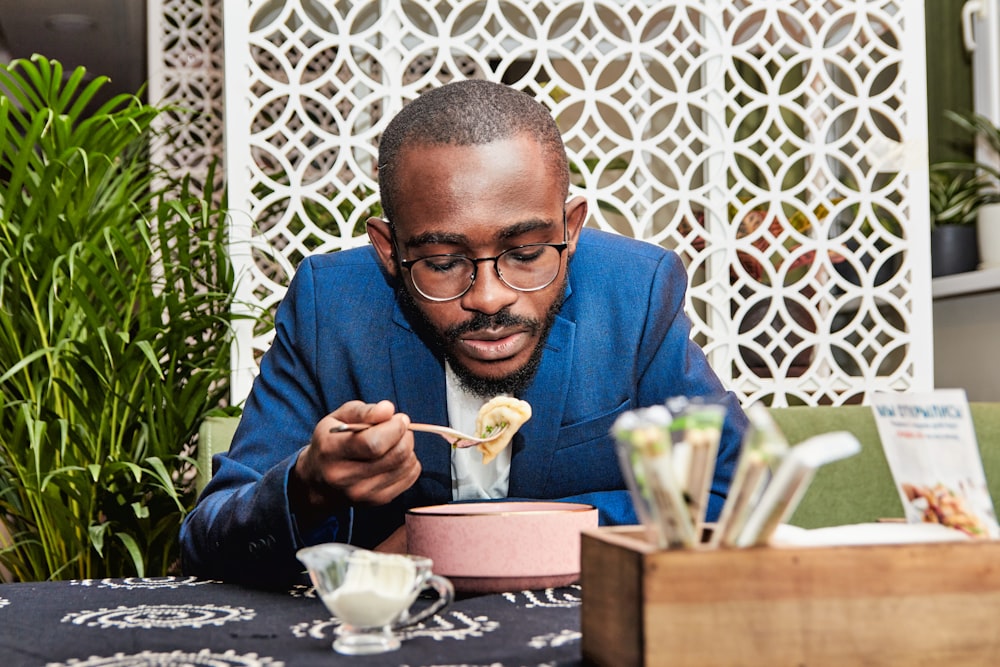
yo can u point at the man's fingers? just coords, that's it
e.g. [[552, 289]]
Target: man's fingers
[[371, 466], [359, 412], [360, 486], [368, 467], [368, 444]]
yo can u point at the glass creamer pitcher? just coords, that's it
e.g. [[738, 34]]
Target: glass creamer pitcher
[[372, 593]]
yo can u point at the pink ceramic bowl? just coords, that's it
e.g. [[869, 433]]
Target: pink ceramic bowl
[[501, 546]]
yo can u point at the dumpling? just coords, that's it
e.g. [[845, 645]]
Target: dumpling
[[497, 412]]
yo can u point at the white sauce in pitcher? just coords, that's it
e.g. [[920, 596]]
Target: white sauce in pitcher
[[376, 590]]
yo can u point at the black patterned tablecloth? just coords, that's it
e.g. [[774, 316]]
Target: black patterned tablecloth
[[166, 622]]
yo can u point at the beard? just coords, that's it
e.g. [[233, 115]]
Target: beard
[[440, 342]]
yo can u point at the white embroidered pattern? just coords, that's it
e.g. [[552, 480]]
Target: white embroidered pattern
[[134, 583], [555, 639], [303, 591], [438, 627], [160, 616], [204, 657], [551, 597]]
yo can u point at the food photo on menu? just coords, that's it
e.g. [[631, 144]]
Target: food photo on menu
[[930, 444]]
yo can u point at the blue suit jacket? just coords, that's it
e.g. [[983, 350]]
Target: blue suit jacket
[[621, 341]]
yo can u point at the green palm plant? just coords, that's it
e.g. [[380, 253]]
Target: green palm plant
[[115, 295]]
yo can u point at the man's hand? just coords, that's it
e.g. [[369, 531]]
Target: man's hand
[[370, 467]]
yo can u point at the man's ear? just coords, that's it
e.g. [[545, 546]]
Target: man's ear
[[576, 216], [381, 238]]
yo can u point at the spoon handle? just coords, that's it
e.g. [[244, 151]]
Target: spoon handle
[[455, 438]]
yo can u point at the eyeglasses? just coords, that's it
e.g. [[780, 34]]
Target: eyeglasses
[[525, 268]]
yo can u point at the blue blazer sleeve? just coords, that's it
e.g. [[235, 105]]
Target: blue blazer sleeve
[[242, 528]]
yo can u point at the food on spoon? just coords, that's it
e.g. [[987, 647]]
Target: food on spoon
[[495, 415]]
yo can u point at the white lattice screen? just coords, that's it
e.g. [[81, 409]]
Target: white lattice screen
[[185, 68], [778, 146]]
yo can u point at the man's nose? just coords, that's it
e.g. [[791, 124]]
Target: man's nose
[[488, 293]]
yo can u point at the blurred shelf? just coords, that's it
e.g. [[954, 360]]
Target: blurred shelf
[[963, 284]]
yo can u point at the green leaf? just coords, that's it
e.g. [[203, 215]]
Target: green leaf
[[135, 469], [140, 510], [96, 534], [134, 552], [147, 350]]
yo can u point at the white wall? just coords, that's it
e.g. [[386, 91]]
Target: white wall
[[967, 344]]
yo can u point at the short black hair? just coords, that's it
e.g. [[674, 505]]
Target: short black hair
[[470, 112]]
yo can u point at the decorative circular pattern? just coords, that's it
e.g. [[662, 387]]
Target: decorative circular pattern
[[685, 120], [568, 596], [451, 624], [160, 616], [556, 639], [303, 591], [149, 583], [186, 72], [205, 658]]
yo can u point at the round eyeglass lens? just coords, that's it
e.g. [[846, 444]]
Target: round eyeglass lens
[[530, 267], [526, 268], [442, 276]]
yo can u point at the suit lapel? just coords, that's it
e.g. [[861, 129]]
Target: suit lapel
[[534, 443]]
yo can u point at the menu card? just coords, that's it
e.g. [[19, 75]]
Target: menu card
[[930, 443]]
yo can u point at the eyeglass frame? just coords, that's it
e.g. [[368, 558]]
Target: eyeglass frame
[[408, 263]]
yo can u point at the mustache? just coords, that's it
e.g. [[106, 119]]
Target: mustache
[[482, 321]]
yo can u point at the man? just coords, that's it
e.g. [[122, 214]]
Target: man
[[480, 281]]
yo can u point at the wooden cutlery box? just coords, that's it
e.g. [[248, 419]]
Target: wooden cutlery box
[[913, 604]]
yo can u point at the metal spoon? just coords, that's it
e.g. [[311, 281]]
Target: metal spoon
[[454, 438]]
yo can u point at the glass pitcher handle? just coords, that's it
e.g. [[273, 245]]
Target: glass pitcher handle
[[446, 594]]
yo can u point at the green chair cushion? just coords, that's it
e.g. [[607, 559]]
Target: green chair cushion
[[214, 436]]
